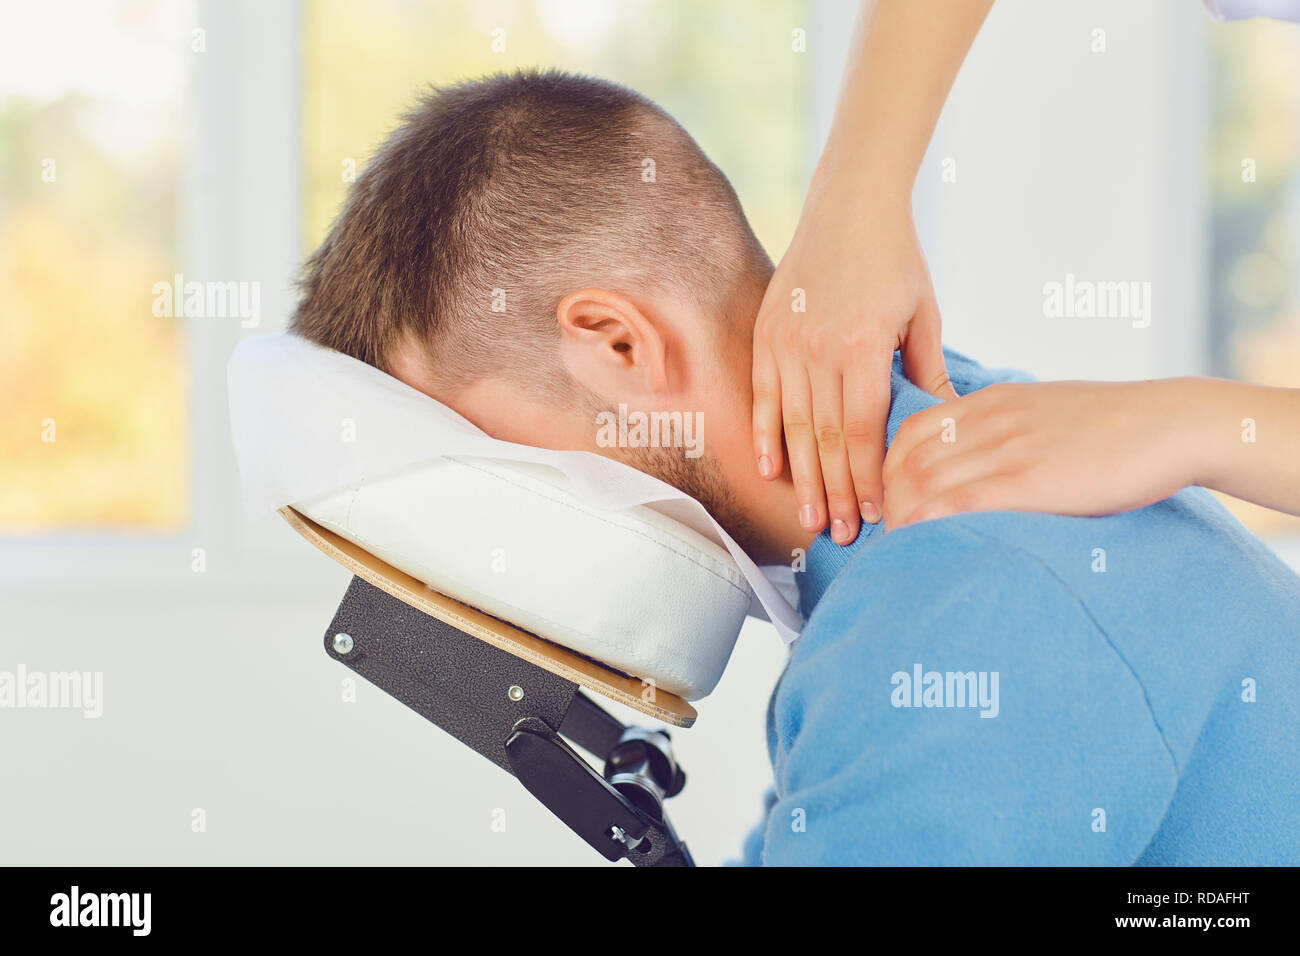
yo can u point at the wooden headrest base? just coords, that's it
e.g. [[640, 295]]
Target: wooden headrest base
[[586, 673]]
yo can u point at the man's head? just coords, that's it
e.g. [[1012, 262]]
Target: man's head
[[536, 248]]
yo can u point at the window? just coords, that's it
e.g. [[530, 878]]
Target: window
[[94, 425], [1255, 196]]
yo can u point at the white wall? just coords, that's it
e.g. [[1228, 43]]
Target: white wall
[[1071, 161], [225, 700]]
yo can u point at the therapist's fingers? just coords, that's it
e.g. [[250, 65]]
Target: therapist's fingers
[[927, 441], [866, 414], [953, 483], [832, 449], [801, 445], [957, 422], [915, 497], [939, 422], [990, 493], [767, 413], [901, 470], [922, 351]]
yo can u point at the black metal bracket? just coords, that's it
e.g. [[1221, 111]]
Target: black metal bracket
[[519, 715]]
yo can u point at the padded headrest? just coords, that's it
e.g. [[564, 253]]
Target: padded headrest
[[631, 589]]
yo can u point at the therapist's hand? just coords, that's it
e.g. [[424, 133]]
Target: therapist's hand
[[852, 288], [1076, 448]]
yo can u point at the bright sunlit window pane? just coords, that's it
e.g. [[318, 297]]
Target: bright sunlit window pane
[[93, 416], [724, 69], [1256, 200]]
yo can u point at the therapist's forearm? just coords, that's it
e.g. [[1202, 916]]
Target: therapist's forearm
[[902, 63], [1244, 440]]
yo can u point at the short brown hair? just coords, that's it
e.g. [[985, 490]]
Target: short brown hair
[[515, 190]]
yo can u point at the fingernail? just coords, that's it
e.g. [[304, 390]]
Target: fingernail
[[870, 513], [839, 531], [808, 517], [765, 467]]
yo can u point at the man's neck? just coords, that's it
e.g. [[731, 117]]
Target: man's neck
[[771, 512]]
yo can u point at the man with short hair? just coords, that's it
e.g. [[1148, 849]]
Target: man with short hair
[[535, 248]]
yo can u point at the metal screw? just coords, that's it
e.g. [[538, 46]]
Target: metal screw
[[618, 834], [342, 643], [515, 693]]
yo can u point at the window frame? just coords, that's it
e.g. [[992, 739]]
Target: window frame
[[241, 211]]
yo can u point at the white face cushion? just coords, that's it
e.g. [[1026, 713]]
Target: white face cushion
[[631, 589]]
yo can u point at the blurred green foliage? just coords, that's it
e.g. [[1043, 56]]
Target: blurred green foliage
[[723, 69], [83, 238]]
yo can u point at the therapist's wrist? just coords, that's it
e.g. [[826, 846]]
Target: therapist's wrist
[[1210, 429], [863, 180], [855, 208]]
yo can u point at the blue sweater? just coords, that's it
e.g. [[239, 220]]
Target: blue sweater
[[1014, 688]]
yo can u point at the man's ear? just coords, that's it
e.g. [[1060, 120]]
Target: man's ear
[[610, 344]]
